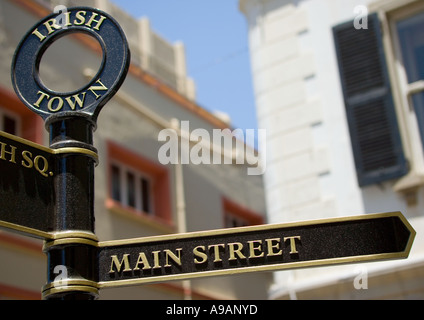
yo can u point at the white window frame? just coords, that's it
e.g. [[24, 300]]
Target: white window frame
[[390, 12], [138, 175], [406, 90]]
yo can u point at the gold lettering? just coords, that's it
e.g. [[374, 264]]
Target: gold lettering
[[156, 259], [68, 19], [42, 171], [234, 251], [39, 35], [170, 254], [293, 249], [200, 254], [43, 95], [102, 87], [271, 247], [253, 248], [118, 265], [142, 259], [12, 153], [27, 157], [81, 18], [76, 100], [216, 251], [58, 106], [92, 19], [50, 24]]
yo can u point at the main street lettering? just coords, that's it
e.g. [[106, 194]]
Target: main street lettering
[[232, 252], [15, 154]]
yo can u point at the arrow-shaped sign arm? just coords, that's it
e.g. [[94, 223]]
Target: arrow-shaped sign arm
[[363, 238], [27, 191]]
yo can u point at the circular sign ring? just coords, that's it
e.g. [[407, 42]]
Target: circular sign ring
[[54, 38], [88, 100]]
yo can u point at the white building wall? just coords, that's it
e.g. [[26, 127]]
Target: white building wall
[[310, 171]]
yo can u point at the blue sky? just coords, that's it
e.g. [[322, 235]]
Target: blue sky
[[214, 33]]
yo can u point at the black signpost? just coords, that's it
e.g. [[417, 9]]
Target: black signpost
[[71, 119], [48, 193]]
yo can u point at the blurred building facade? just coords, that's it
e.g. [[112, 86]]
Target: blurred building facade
[[339, 88], [135, 195]]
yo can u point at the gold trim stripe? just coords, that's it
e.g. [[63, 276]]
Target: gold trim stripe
[[75, 234], [24, 141], [70, 240], [71, 150], [75, 150], [258, 228], [54, 236], [267, 268], [69, 284], [26, 230], [51, 291]]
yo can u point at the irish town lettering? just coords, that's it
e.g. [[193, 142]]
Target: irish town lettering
[[55, 103]]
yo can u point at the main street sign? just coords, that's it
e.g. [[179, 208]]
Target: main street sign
[[260, 248], [364, 238]]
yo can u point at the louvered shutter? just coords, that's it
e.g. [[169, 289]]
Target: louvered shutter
[[371, 115]]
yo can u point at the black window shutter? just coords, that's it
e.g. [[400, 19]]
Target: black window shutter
[[371, 115]]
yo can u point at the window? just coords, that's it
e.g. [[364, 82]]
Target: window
[[116, 183], [131, 188], [9, 122], [410, 33], [236, 215], [370, 109], [17, 119], [138, 186]]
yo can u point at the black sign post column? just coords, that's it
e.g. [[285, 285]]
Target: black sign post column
[[72, 257], [75, 173], [71, 118]]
